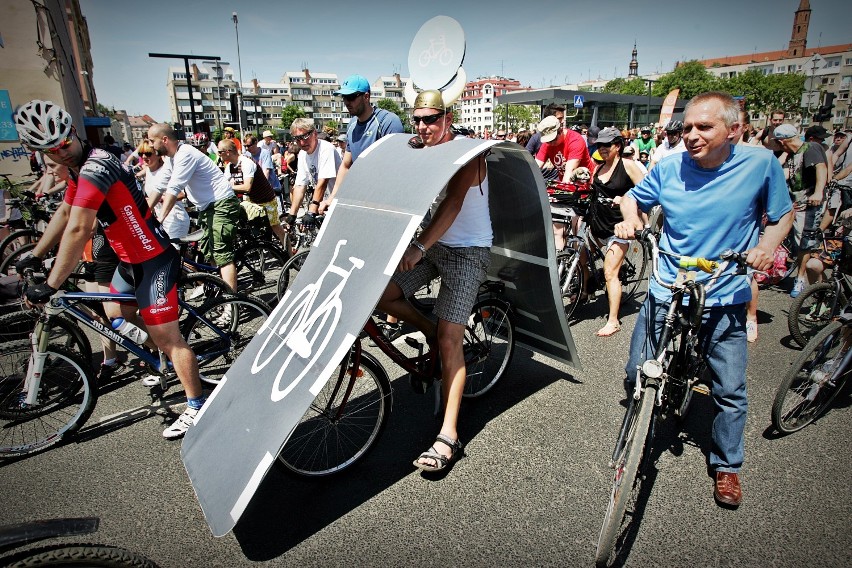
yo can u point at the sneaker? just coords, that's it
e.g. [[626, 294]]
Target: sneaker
[[107, 372], [181, 425], [817, 312], [751, 330], [224, 320], [798, 287]]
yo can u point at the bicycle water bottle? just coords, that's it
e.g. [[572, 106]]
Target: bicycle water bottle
[[130, 331]]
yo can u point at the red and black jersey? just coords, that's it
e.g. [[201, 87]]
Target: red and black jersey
[[109, 187]]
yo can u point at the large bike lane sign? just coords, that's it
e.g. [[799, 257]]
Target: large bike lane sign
[[252, 412]]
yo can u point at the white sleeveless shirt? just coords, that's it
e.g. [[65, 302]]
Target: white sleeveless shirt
[[472, 226]]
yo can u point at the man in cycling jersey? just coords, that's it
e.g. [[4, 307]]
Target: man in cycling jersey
[[101, 189], [713, 199], [455, 246]]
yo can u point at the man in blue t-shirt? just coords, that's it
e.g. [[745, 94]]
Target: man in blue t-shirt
[[367, 125], [713, 197]]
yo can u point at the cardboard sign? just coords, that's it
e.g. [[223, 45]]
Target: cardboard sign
[[250, 415]]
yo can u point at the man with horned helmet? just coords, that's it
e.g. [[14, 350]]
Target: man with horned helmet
[[455, 246]]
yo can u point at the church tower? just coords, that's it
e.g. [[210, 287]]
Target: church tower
[[799, 38], [634, 64]]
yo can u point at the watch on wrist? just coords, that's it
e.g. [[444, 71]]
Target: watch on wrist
[[417, 244]]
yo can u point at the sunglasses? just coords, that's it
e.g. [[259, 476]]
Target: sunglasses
[[303, 137], [606, 144], [62, 146], [146, 154], [351, 97], [428, 119]]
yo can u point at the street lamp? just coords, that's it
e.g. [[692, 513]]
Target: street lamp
[[218, 71], [240, 70], [648, 106]]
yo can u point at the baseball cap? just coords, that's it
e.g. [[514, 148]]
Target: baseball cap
[[267, 134], [816, 132], [608, 134], [549, 128], [785, 131], [353, 84], [341, 138]]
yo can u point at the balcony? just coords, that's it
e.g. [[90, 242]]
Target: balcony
[[198, 108]]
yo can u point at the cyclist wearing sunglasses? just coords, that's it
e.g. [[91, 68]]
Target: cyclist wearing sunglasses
[[102, 189], [318, 163], [455, 246]]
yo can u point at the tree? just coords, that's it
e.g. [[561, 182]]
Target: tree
[[691, 78], [620, 86], [520, 116], [290, 113], [763, 93], [391, 106], [104, 111]]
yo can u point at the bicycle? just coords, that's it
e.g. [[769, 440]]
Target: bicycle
[[35, 216], [664, 385], [47, 392], [350, 411], [573, 284], [815, 378], [820, 303]]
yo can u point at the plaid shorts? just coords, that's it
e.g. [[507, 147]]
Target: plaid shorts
[[462, 270]]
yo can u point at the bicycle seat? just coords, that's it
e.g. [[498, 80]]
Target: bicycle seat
[[192, 237]]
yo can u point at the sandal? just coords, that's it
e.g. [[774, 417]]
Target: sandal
[[441, 461], [608, 330]]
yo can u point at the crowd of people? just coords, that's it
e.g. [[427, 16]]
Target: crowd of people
[[753, 186]]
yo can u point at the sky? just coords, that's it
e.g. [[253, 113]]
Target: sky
[[538, 42]]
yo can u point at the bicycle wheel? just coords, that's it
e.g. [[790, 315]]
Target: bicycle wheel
[[80, 555], [813, 381], [342, 423], [231, 323], [258, 268], [7, 266], [198, 288], [632, 271], [11, 242], [812, 310], [624, 485], [64, 331], [66, 398], [489, 342], [570, 283], [290, 271]]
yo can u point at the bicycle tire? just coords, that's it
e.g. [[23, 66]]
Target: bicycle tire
[[6, 243], [66, 400], [258, 267], [343, 422], [64, 331], [290, 271], [632, 270], [624, 481], [812, 310], [7, 266], [489, 343], [215, 352], [81, 555], [199, 288], [808, 388], [570, 289]]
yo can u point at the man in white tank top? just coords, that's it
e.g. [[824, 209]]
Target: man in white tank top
[[456, 246]]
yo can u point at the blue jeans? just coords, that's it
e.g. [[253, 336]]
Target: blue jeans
[[722, 341]]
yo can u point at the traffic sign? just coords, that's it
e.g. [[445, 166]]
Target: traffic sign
[[578, 101]]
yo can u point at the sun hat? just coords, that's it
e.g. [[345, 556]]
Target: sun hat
[[549, 128]]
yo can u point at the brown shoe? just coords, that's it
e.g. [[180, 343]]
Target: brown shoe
[[728, 491]]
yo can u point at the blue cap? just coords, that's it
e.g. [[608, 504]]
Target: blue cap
[[354, 84]]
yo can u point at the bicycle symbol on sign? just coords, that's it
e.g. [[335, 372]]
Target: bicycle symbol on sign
[[437, 50], [305, 323]]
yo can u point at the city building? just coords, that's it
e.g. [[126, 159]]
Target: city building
[[139, 126], [46, 55], [478, 102]]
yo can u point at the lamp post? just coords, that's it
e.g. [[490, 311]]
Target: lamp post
[[186, 59], [648, 106], [240, 70], [218, 70]]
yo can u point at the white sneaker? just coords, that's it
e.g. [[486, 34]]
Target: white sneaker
[[181, 425], [751, 330], [224, 319]]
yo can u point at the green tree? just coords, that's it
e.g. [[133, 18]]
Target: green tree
[[763, 93], [620, 86], [104, 111], [691, 78], [290, 113], [520, 116]]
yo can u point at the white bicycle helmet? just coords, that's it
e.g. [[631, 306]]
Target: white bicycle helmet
[[42, 124]]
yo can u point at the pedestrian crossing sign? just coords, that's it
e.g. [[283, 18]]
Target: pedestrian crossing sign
[[578, 101]]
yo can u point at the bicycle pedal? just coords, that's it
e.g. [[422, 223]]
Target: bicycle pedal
[[701, 388], [413, 342]]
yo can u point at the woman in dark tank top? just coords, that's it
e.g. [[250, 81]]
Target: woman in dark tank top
[[612, 180]]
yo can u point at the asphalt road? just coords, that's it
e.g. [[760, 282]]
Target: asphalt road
[[530, 492]]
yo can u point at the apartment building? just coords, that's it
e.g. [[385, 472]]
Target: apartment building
[[477, 103]]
